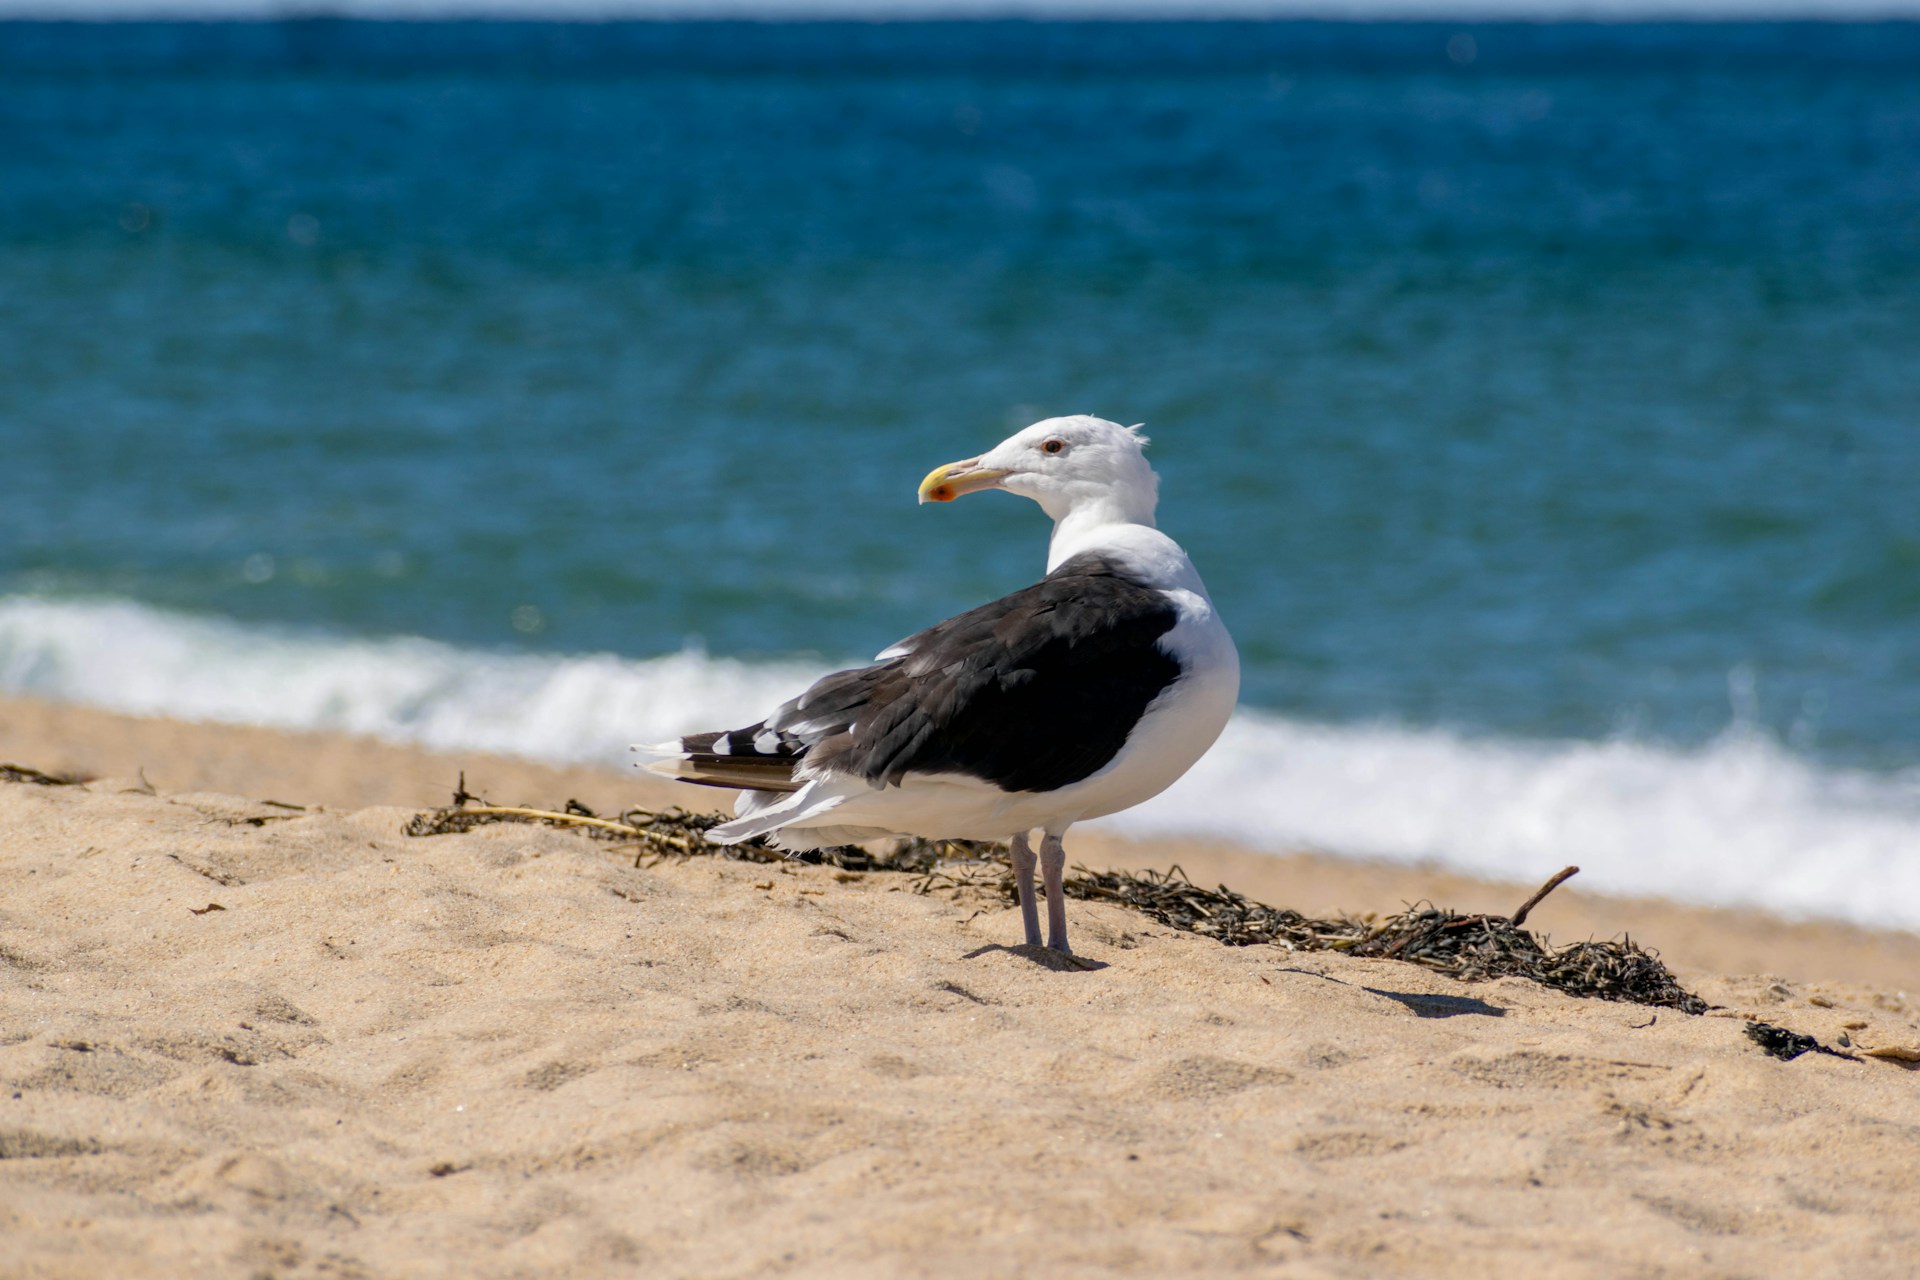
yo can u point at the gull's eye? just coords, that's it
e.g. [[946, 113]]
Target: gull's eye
[[1054, 446]]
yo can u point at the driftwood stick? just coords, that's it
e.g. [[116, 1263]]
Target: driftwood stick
[[1559, 878], [548, 815]]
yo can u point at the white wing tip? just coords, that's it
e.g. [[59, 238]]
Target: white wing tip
[[667, 758]]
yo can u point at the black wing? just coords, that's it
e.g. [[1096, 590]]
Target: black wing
[[1032, 692]]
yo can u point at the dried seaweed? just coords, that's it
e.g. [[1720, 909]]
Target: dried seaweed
[[677, 833], [1778, 1042], [21, 773], [1470, 948], [672, 832]]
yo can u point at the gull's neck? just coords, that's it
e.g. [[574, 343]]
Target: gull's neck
[[1099, 522]]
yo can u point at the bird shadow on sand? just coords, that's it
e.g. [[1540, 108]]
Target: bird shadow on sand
[[1045, 957], [1424, 1005], [1420, 1003]]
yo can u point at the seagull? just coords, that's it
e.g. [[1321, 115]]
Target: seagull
[[1079, 696]]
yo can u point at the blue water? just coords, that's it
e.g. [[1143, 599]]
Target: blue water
[[1515, 384]]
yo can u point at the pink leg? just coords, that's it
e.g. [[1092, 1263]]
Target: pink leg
[[1053, 872], [1023, 881]]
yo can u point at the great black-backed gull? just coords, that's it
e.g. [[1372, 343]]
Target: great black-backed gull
[[1074, 698]]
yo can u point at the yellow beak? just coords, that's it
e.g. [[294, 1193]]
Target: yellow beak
[[944, 484]]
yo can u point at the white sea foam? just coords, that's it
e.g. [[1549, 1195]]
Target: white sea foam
[[1739, 821], [128, 657]]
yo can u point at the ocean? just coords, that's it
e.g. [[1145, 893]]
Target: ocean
[[1541, 401]]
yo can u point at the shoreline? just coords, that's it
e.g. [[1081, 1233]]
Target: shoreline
[[343, 771]]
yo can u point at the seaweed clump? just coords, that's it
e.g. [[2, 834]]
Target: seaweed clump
[[1778, 1042], [1469, 948]]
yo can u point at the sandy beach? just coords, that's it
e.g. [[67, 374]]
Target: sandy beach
[[243, 1038]]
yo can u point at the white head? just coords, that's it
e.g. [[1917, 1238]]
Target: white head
[[1078, 465]]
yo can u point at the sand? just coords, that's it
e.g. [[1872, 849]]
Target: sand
[[243, 1039]]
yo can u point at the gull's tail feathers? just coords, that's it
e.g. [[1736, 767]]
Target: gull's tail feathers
[[809, 801], [751, 759]]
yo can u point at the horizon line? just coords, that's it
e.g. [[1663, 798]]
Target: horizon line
[[1705, 12]]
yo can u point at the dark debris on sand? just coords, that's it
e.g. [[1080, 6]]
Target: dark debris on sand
[[1470, 948], [1778, 1042], [21, 773]]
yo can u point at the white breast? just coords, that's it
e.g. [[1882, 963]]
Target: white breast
[[1179, 726]]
